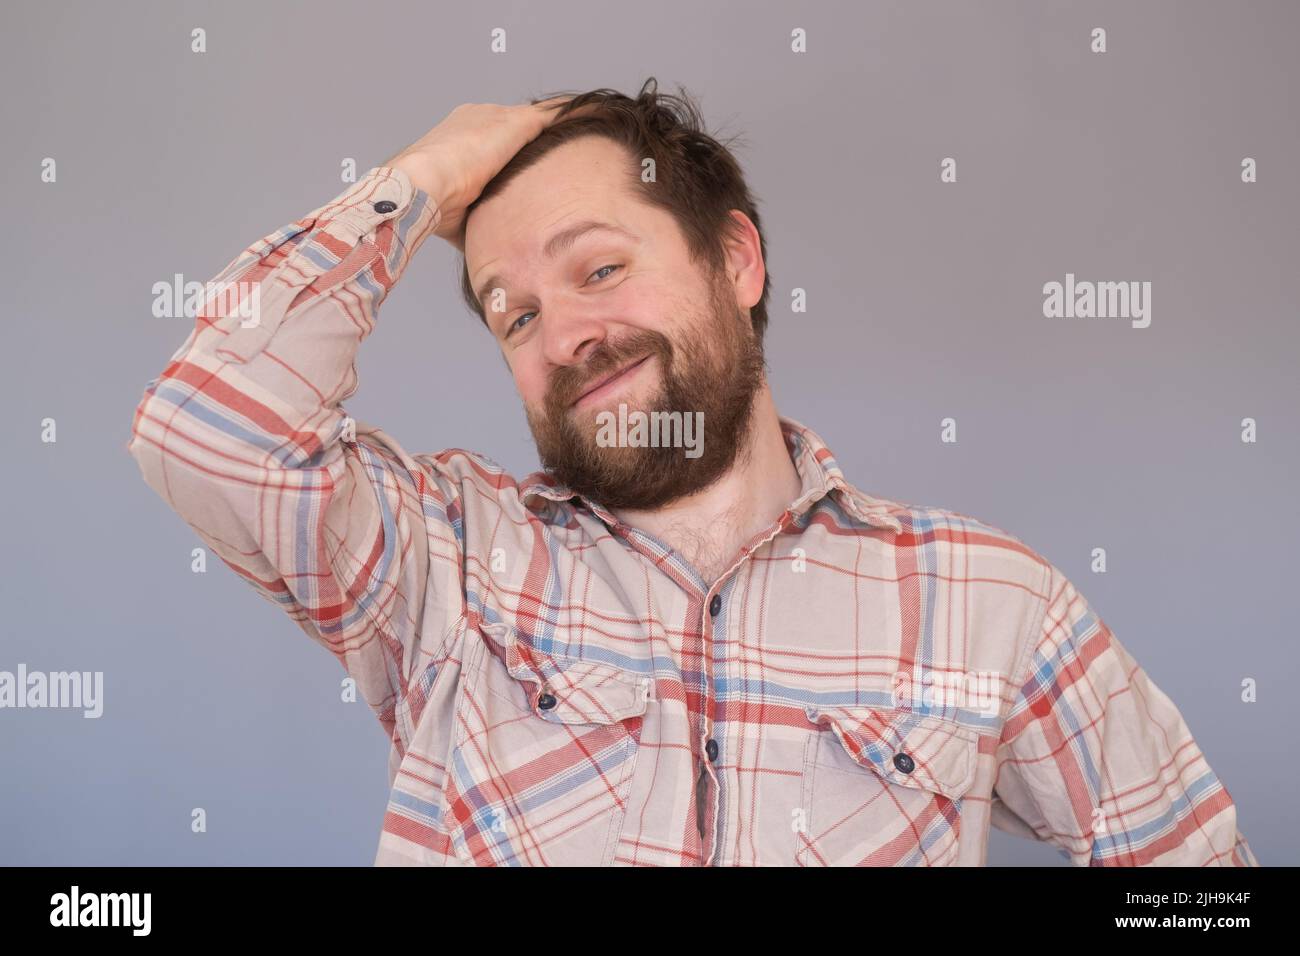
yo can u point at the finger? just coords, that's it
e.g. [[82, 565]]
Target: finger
[[552, 103]]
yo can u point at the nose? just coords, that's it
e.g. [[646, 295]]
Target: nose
[[571, 333]]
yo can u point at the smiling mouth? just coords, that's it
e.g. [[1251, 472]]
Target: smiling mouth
[[611, 379]]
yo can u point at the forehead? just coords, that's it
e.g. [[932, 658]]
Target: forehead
[[588, 178]]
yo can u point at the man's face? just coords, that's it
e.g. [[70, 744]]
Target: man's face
[[593, 318]]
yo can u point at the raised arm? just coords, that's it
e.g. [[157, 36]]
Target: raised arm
[[243, 433]]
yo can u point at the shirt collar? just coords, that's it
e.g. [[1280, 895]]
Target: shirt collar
[[819, 476]]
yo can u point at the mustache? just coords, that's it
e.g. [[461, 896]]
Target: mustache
[[567, 384]]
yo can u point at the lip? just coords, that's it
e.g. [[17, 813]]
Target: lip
[[612, 379]]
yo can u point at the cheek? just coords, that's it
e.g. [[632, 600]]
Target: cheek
[[530, 382], [641, 305]]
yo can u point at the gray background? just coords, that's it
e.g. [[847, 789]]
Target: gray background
[[925, 301]]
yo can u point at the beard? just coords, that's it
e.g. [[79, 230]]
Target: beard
[[712, 372]]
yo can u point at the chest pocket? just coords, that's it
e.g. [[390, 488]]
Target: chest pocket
[[883, 787], [541, 761]]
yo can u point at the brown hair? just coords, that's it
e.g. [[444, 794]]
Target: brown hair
[[697, 180]]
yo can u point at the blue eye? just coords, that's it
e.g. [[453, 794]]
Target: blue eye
[[516, 323]]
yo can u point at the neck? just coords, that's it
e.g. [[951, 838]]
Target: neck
[[710, 526]]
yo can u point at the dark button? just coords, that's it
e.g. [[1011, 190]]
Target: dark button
[[715, 605], [711, 748], [385, 205], [546, 701], [904, 763]]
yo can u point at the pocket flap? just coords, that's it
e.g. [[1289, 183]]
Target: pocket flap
[[905, 748], [570, 690]]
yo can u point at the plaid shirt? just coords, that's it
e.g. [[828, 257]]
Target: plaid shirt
[[870, 682]]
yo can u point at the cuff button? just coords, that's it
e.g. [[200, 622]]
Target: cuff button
[[385, 205]]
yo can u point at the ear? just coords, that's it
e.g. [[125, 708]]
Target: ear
[[743, 256]]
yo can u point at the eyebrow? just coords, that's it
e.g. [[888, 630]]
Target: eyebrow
[[558, 243]]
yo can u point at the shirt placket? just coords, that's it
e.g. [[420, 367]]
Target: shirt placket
[[707, 786], [712, 622]]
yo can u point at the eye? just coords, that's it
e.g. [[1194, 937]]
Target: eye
[[519, 323], [515, 324]]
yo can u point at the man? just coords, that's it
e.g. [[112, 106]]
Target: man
[[690, 640]]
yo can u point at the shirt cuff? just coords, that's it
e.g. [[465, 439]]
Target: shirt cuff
[[387, 193]]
